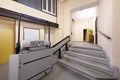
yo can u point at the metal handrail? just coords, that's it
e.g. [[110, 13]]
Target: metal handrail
[[57, 47], [106, 36]]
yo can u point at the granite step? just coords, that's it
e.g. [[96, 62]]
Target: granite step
[[90, 64], [85, 71], [97, 54], [83, 45], [88, 57]]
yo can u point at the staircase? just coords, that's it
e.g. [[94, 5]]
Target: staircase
[[88, 60]]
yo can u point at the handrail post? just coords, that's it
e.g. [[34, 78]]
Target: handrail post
[[49, 35], [66, 47], [59, 54], [18, 43]]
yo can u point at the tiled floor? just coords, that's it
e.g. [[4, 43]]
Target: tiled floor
[[4, 72], [58, 73]]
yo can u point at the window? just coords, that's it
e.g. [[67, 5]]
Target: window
[[49, 6]]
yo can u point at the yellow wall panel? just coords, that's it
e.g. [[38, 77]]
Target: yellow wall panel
[[6, 40], [88, 33]]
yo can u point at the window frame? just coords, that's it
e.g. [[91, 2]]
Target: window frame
[[43, 10], [50, 12]]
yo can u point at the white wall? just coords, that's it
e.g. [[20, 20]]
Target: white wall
[[105, 25], [83, 21], [79, 26]]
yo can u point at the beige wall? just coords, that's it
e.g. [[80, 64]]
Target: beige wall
[[105, 25], [52, 35], [116, 33], [29, 25], [57, 33], [17, 7]]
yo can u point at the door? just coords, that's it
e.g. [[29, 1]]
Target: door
[[6, 40]]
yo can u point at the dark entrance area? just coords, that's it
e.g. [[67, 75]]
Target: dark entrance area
[[84, 34], [96, 30]]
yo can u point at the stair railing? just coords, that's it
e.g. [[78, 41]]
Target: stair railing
[[57, 47]]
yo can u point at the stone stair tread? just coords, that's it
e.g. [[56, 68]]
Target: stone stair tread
[[85, 46], [95, 60], [85, 55], [95, 65], [87, 50], [88, 53], [90, 72]]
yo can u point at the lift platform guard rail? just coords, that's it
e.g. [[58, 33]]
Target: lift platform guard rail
[[36, 64]]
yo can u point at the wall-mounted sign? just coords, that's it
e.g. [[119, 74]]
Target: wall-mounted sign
[[31, 34]]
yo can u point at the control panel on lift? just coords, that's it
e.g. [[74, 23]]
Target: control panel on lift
[[28, 46]]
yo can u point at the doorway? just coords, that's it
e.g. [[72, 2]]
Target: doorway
[[84, 34], [84, 23], [6, 39]]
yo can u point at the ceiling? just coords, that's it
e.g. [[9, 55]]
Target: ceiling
[[85, 14]]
